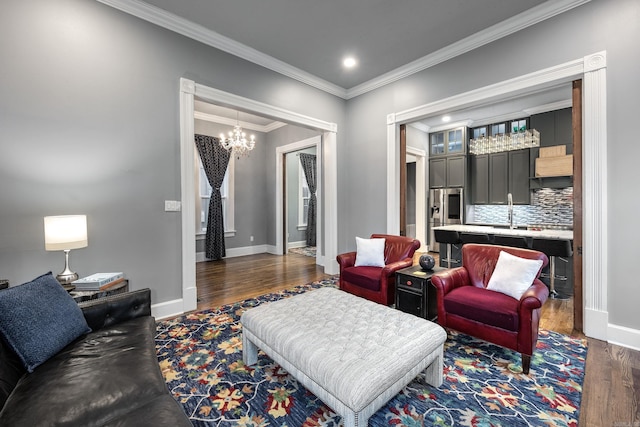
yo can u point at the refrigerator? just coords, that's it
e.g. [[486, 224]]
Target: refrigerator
[[446, 207]]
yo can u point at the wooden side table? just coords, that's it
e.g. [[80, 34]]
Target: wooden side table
[[81, 296], [414, 292]]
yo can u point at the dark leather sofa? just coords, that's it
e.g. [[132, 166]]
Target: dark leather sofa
[[109, 377]]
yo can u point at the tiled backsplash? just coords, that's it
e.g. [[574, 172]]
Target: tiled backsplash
[[548, 206]]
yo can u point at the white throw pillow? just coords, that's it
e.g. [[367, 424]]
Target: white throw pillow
[[369, 252], [513, 275]]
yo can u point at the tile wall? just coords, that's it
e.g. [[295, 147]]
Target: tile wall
[[548, 206]]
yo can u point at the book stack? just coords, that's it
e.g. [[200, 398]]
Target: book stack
[[98, 281]]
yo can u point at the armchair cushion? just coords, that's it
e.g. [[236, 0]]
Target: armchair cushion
[[365, 277], [513, 275], [471, 303], [369, 252]]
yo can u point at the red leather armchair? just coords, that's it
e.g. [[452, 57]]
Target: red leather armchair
[[377, 283], [464, 303]]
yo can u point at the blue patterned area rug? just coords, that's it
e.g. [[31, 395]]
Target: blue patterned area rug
[[200, 356]]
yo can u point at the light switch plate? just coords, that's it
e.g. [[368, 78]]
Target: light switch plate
[[172, 206]]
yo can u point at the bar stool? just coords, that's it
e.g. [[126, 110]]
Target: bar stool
[[553, 248], [513, 241], [475, 238], [449, 237]]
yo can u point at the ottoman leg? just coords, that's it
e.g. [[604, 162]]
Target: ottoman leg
[[249, 351], [433, 373]]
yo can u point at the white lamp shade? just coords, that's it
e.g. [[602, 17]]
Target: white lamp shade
[[65, 232]]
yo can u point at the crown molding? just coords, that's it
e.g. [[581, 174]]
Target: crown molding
[[514, 24], [232, 122], [199, 33], [559, 105]]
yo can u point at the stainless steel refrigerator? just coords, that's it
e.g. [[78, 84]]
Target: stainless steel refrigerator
[[446, 207]]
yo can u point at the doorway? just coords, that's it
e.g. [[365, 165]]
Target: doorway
[[287, 162], [189, 91], [591, 70]]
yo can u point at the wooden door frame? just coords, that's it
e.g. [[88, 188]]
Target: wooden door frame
[[576, 123], [403, 180]]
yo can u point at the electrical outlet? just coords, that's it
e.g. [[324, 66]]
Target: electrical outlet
[[251, 238]]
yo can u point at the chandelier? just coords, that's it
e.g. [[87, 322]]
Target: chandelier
[[237, 142]]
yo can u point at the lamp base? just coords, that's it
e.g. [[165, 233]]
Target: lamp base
[[66, 276]]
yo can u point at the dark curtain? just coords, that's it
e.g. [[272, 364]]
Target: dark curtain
[[214, 161], [308, 162]]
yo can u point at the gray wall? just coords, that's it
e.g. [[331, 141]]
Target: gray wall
[[611, 25], [89, 123]]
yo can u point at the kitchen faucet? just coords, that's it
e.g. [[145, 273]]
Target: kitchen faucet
[[510, 210]]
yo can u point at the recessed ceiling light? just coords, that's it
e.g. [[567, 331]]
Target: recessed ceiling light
[[446, 119], [349, 62]]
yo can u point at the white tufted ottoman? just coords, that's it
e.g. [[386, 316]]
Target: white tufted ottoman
[[353, 354]]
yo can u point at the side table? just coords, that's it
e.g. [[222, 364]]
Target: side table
[[414, 292], [81, 296]]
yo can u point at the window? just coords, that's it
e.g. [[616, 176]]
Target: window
[[204, 192], [304, 196]]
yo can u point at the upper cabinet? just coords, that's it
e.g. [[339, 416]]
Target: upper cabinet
[[447, 160], [494, 174], [555, 129], [448, 142]]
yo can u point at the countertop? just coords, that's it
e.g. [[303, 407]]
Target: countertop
[[546, 234]]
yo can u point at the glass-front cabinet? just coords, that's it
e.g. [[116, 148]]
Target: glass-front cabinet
[[448, 142]]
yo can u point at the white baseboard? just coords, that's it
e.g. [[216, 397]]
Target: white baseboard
[[167, 309], [625, 337], [596, 324], [236, 252], [299, 244]]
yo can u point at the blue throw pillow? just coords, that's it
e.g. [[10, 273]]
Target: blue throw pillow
[[38, 319]]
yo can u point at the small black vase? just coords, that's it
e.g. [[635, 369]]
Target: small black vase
[[427, 262]]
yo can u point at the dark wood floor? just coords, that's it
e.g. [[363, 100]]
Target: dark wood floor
[[611, 389]]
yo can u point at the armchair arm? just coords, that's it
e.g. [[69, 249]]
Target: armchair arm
[[389, 269], [444, 283], [448, 280], [347, 259], [534, 297], [117, 308]]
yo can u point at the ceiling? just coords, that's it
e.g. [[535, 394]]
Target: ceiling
[[308, 39]]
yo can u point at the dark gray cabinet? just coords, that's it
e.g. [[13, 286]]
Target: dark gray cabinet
[[479, 179], [555, 128], [494, 175], [438, 173], [519, 176], [447, 172], [498, 178]]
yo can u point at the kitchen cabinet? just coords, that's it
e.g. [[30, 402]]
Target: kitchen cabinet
[[448, 142], [519, 185], [494, 175], [479, 179], [555, 128], [447, 172], [498, 178]]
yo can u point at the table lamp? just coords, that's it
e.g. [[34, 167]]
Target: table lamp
[[63, 233]]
